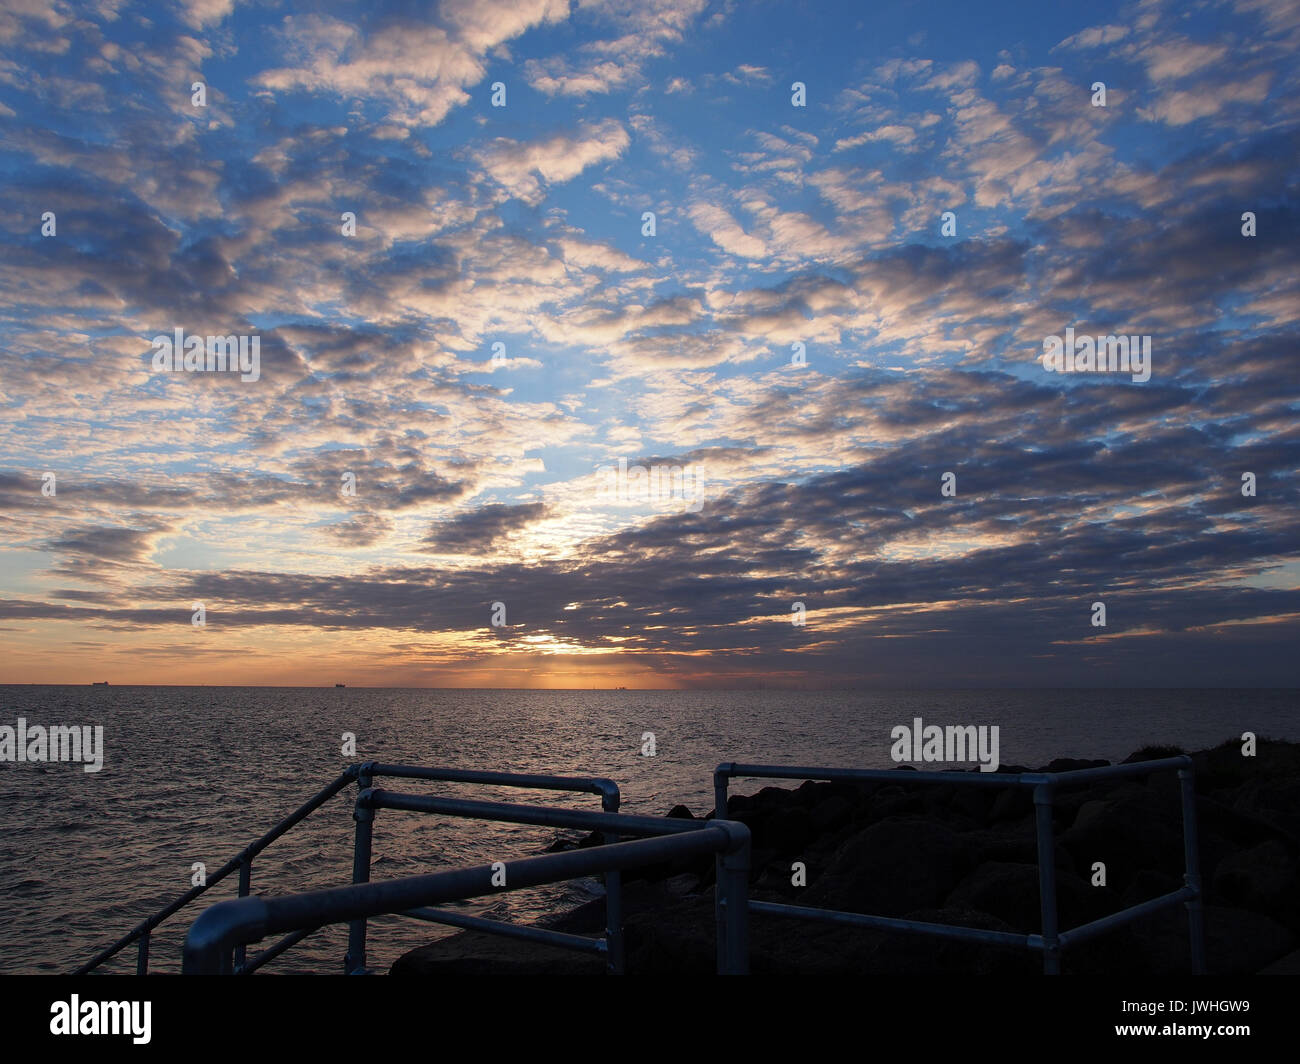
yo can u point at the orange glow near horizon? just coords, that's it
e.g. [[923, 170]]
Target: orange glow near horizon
[[61, 653]]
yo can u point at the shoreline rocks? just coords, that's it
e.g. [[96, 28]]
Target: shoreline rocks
[[964, 855]]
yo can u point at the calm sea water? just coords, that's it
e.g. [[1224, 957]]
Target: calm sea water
[[194, 774]]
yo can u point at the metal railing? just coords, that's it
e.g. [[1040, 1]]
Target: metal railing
[[1051, 941], [218, 938], [227, 927], [363, 774], [364, 815], [242, 861]]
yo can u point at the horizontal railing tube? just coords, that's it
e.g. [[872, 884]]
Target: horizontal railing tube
[[579, 784], [218, 930], [1105, 772], [498, 927], [271, 952], [889, 923], [732, 770], [1106, 923], [545, 815]]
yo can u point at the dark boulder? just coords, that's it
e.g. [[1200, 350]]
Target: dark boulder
[[1010, 892], [1127, 835], [915, 954], [1264, 878], [893, 867], [1237, 942]]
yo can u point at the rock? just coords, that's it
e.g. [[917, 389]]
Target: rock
[[1237, 942], [479, 953], [1153, 753], [893, 800], [1006, 842], [1012, 803], [1224, 768], [789, 831], [916, 954], [1072, 764], [1147, 885], [680, 886], [971, 804], [1127, 834], [1088, 811], [1273, 801], [1010, 893], [893, 867], [772, 798], [1264, 878], [1288, 965], [964, 855], [831, 813]]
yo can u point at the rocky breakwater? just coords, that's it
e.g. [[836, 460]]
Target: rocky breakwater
[[965, 855]]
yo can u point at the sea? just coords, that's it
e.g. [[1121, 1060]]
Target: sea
[[193, 774]]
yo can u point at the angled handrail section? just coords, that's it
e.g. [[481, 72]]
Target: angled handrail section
[[1051, 941], [242, 861], [363, 773]]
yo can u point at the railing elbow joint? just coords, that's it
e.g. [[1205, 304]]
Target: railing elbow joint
[[365, 805], [608, 791], [218, 929], [738, 835]]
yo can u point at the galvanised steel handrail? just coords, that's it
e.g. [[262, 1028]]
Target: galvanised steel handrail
[[242, 861], [226, 927], [364, 814], [1052, 940], [503, 812], [607, 789], [370, 800]]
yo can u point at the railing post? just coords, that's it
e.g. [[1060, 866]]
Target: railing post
[[731, 904], [364, 815], [245, 886], [720, 777], [1192, 873], [615, 961], [1047, 878], [142, 957]]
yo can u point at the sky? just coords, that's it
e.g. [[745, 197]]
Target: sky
[[649, 343]]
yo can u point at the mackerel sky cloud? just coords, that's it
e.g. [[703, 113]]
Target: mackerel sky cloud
[[649, 253]]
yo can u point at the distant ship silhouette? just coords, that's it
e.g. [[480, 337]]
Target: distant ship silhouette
[[340, 685]]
